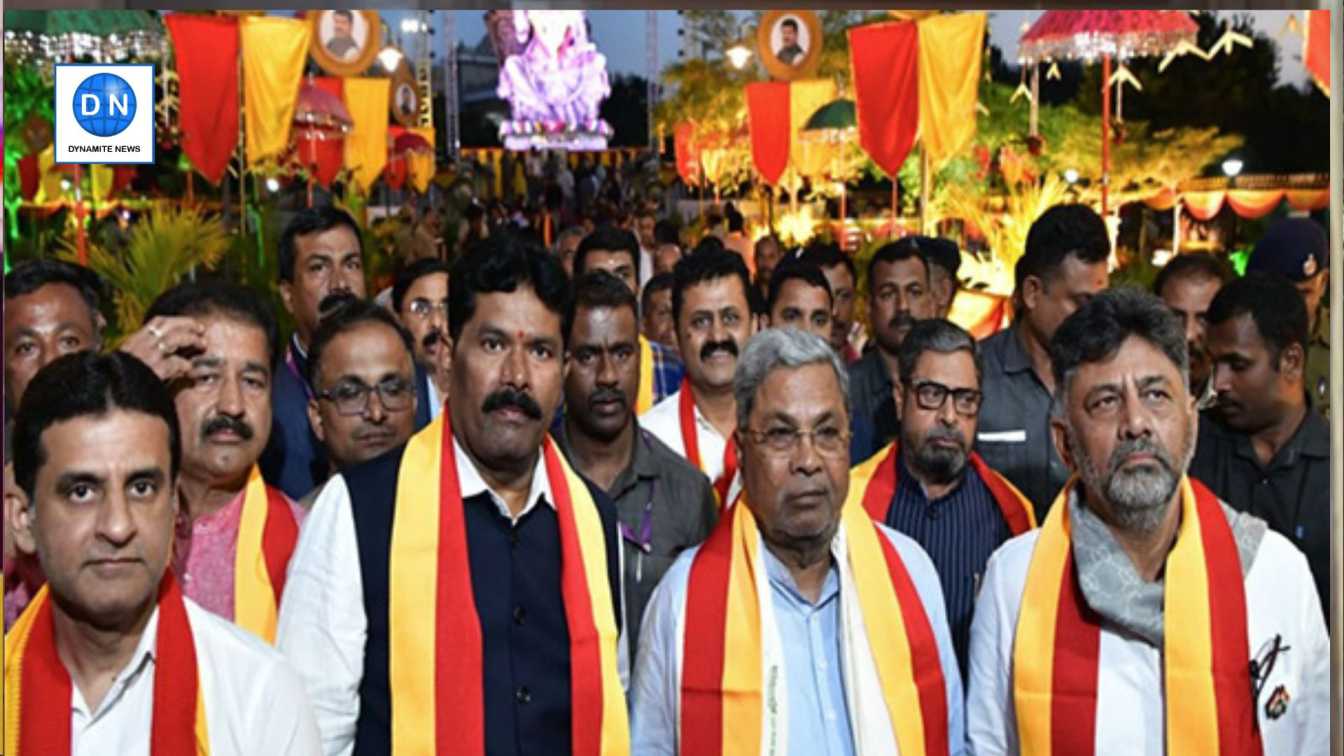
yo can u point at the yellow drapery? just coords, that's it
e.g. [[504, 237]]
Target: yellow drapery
[[420, 165], [949, 78], [810, 156], [274, 52], [366, 142]]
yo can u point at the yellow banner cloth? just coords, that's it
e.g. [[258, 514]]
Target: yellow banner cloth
[[274, 52], [366, 142], [811, 156], [950, 49]]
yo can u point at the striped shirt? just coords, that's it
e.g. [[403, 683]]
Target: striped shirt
[[667, 371], [960, 531]]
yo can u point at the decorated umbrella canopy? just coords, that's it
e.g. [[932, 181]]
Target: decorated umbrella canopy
[[1092, 34], [835, 118], [834, 122], [318, 115], [410, 142]]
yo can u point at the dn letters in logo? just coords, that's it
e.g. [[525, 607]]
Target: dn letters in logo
[[104, 113]]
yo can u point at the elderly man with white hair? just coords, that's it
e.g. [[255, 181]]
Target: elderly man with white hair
[[800, 626]]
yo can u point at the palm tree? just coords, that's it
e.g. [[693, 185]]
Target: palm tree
[[162, 247]]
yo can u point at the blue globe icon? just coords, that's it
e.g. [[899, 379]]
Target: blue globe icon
[[104, 104]]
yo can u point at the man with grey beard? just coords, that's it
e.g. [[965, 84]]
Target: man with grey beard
[[1142, 595], [929, 485]]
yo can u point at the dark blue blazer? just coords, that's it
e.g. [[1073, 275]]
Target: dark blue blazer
[[515, 580]]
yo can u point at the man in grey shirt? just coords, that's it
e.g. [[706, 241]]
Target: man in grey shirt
[[663, 504], [1063, 266]]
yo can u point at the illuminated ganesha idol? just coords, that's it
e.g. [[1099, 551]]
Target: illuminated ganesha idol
[[555, 83]]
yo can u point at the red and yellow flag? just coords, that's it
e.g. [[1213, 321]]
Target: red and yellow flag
[[722, 696], [435, 656], [267, 535], [1207, 685], [38, 688], [691, 440], [878, 477]]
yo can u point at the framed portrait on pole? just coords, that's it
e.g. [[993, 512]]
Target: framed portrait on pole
[[789, 43], [345, 42]]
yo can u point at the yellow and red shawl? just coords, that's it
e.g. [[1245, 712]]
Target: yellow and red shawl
[[1207, 685], [435, 664]]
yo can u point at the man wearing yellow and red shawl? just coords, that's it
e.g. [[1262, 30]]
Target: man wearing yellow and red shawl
[[235, 533], [109, 657], [801, 626], [929, 484], [1145, 616], [461, 593]]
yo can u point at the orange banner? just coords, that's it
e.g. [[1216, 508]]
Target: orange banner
[[1203, 206], [1254, 203]]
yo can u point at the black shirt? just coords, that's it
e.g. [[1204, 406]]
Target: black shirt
[[1014, 433], [959, 531], [872, 406], [1291, 493]]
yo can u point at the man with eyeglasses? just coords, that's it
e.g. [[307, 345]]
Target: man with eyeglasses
[[364, 401], [664, 505], [800, 621], [929, 485], [420, 301]]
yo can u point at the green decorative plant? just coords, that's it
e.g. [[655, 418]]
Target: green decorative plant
[[160, 250]]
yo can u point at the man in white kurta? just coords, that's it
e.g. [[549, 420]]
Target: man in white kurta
[[712, 312], [1139, 567], [1281, 603]]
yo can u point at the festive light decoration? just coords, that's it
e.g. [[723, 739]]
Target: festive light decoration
[[1068, 35], [40, 49], [555, 83]]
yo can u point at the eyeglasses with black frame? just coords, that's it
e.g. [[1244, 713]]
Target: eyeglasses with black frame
[[829, 440], [351, 397], [931, 395]]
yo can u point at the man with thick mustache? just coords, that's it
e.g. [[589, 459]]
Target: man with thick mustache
[[235, 534], [321, 254], [800, 626], [898, 296], [712, 311], [665, 506], [929, 485], [461, 593], [1145, 616]]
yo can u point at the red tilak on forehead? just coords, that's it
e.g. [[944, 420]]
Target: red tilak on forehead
[[520, 335]]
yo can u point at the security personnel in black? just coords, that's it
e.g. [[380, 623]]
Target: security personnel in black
[[1261, 448]]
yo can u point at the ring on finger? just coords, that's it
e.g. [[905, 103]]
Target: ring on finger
[[156, 333], [163, 346]]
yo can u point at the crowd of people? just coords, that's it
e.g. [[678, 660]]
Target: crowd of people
[[621, 496]]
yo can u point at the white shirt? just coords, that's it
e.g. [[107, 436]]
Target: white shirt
[[1280, 600], [645, 266], [435, 401], [322, 626], [254, 703], [663, 420]]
